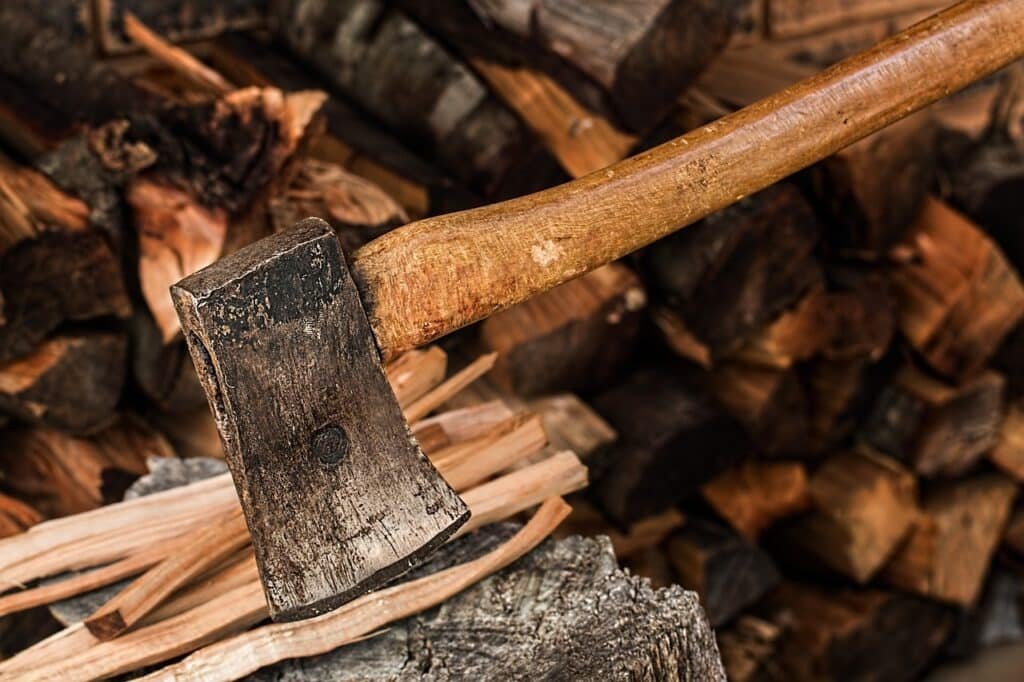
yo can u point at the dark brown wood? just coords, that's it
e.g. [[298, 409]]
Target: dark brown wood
[[16, 516], [175, 20], [70, 382], [748, 648], [306, 427], [936, 428], [855, 634], [872, 190], [1008, 453], [54, 267], [753, 495], [406, 79], [771, 404], [737, 270], [863, 506], [643, 56], [671, 440], [948, 553], [353, 140], [575, 337], [998, 617], [728, 572]]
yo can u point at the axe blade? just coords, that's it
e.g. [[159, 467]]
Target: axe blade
[[337, 495]]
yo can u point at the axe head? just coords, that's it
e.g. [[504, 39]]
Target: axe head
[[337, 494]]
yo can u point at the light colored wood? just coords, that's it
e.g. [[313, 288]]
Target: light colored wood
[[756, 494], [580, 139], [415, 373], [453, 426], [436, 275], [431, 401], [242, 655], [222, 538], [1008, 454], [473, 461], [789, 18]]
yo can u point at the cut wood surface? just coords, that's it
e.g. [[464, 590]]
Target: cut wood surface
[[754, 495], [728, 572], [863, 507], [1008, 453], [953, 539], [575, 337]]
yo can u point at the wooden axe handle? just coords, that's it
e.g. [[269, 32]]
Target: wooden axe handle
[[433, 276]]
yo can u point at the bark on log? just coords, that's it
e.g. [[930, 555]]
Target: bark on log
[[70, 382], [353, 140], [643, 55], [728, 572], [575, 337], [936, 428], [175, 20], [671, 440], [855, 634], [402, 76], [735, 271]]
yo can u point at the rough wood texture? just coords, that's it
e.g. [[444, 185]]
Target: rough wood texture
[[352, 140], [404, 77], [671, 440], [536, 619], [873, 189], [515, 249], [643, 54], [755, 494], [855, 634], [258, 324], [951, 544], [571, 424], [70, 382], [728, 572], [175, 20], [738, 269], [60, 474], [575, 337], [936, 428], [1008, 453], [54, 267], [953, 272], [863, 507]]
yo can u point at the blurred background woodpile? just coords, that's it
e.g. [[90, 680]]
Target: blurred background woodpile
[[808, 407]]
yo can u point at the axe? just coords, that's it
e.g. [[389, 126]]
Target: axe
[[288, 338]]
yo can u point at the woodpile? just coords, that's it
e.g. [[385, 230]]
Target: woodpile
[[799, 421]]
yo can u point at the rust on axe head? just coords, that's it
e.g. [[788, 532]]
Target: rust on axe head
[[337, 494]]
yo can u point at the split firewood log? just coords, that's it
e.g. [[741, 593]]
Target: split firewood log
[[755, 494], [642, 56], [832, 634], [936, 428], [953, 539], [352, 139], [948, 272], [737, 270], [575, 337], [863, 506], [728, 572], [672, 439], [408, 80]]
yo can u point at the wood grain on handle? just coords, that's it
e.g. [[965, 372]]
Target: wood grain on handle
[[436, 275]]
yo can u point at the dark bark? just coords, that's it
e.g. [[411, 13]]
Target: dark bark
[[643, 54], [671, 440], [402, 76], [174, 20], [728, 572]]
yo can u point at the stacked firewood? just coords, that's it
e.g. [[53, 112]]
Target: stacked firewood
[[807, 408]]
